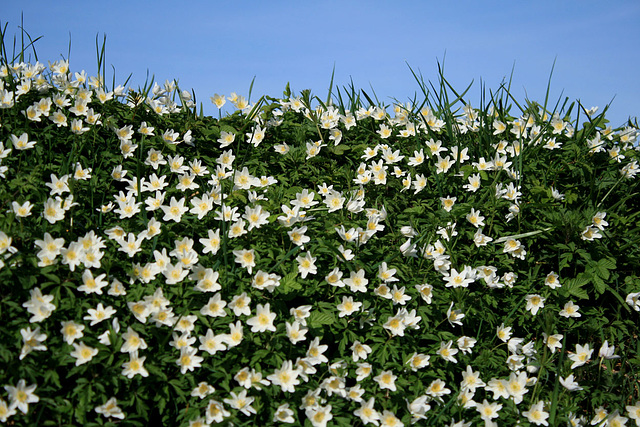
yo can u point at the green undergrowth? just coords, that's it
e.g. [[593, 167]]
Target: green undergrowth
[[312, 261]]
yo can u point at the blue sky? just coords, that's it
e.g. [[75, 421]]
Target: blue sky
[[218, 47]]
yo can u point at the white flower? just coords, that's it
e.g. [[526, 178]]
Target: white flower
[[348, 306], [22, 210], [437, 388], [536, 414], [569, 383], [246, 258], [22, 142], [570, 310], [283, 414], [71, 331], [135, 366], [286, 377], [633, 299], [263, 320], [386, 380], [356, 281], [534, 303], [83, 353], [175, 210], [581, 356], [446, 352], [188, 359], [110, 409], [590, 233], [360, 351], [306, 265], [32, 340], [295, 332], [607, 352], [20, 396]]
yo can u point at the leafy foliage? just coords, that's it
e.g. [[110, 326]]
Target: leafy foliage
[[312, 262]]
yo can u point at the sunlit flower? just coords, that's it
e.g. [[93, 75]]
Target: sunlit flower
[[22, 142], [306, 265], [175, 210], [504, 333], [295, 332], [212, 242], [240, 304], [256, 217], [570, 310], [98, 314], [22, 210], [263, 320], [488, 411], [301, 313], [286, 377], [315, 352], [437, 388], [241, 402], [454, 317], [536, 414], [386, 380], [39, 305], [188, 359], [534, 303], [246, 258], [135, 366], [552, 280], [132, 341], [569, 383], [32, 340], [607, 352], [283, 414], [20, 396], [590, 233], [215, 412], [516, 386], [598, 220], [91, 284], [348, 306], [110, 409], [395, 325], [356, 281], [83, 353]]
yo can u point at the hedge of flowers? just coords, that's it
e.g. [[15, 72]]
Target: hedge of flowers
[[309, 262]]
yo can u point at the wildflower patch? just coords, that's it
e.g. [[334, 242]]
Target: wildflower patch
[[312, 263]]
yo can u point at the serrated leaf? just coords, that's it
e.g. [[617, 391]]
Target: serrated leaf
[[319, 318], [414, 210], [608, 263], [339, 149], [601, 272], [289, 283], [583, 278], [598, 284], [574, 287]]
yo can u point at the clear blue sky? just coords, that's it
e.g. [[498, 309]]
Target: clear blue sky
[[218, 47]]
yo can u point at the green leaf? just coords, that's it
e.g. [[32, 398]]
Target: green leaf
[[417, 210], [54, 278], [608, 263], [574, 287], [289, 283], [339, 149], [319, 318], [598, 284]]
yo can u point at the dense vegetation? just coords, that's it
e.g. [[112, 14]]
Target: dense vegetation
[[313, 261]]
